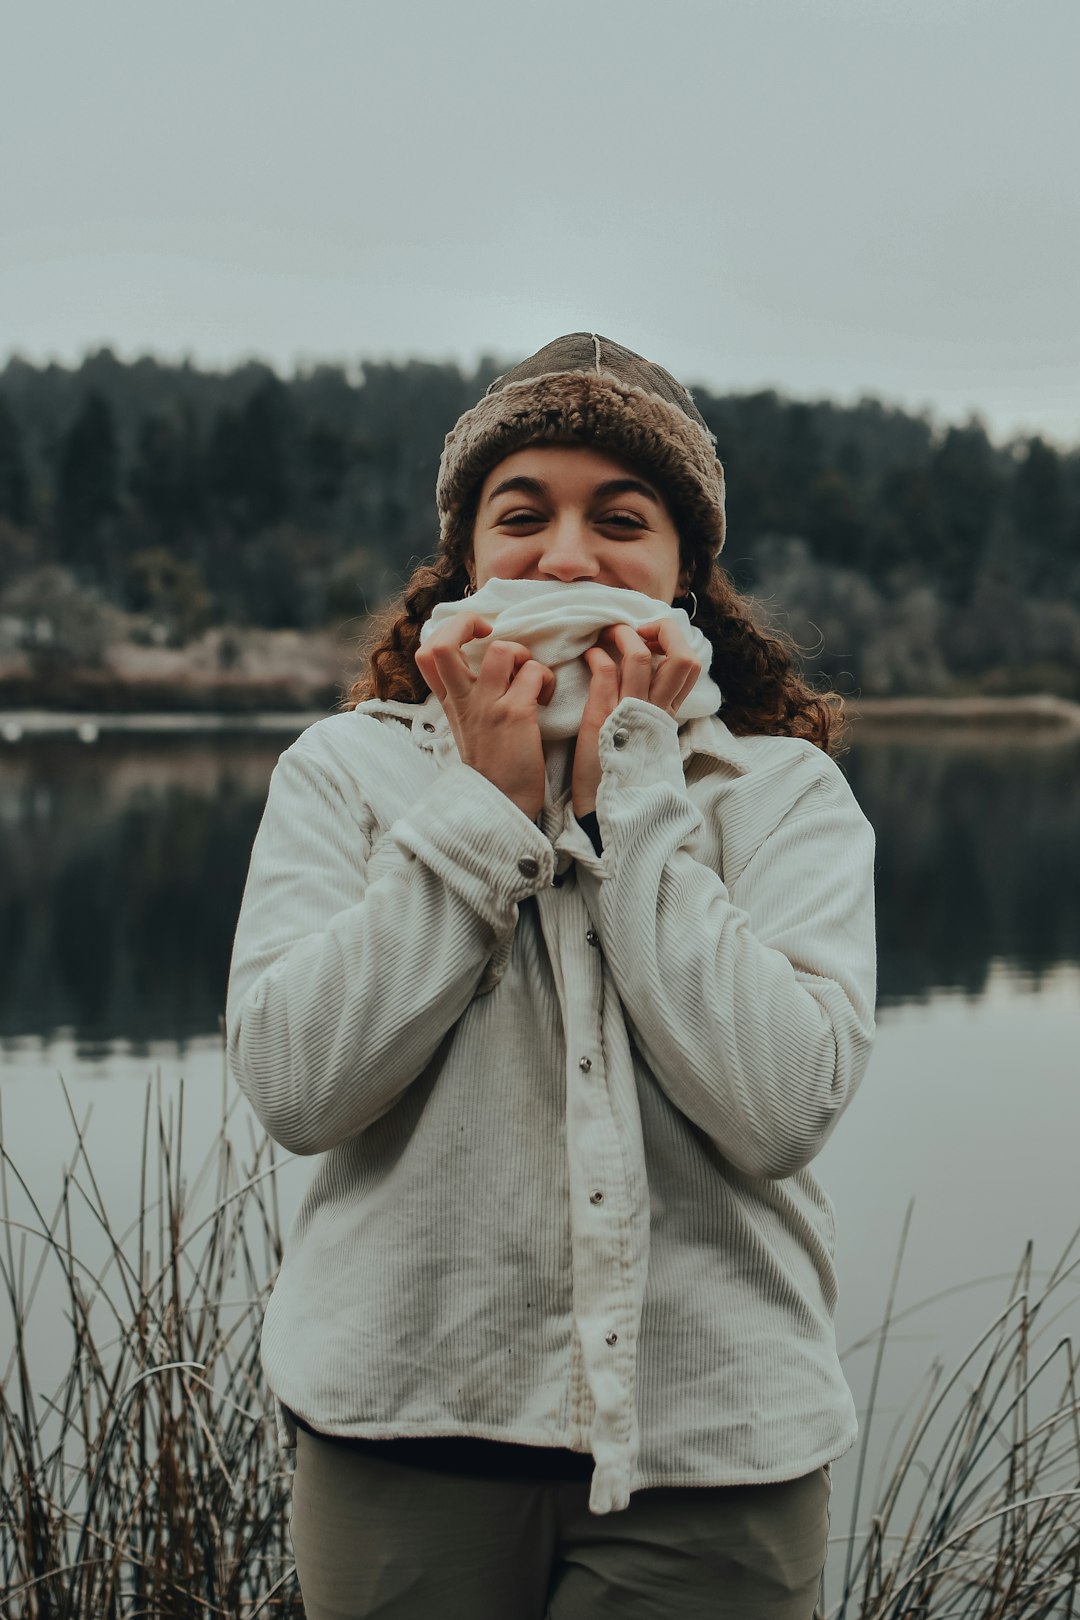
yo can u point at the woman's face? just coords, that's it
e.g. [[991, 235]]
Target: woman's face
[[569, 512]]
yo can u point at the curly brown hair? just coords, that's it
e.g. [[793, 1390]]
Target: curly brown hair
[[757, 671]]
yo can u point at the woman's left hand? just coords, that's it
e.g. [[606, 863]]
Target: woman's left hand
[[621, 664]]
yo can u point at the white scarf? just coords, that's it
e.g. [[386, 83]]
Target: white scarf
[[558, 622]]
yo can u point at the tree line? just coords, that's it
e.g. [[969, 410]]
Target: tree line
[[901, 554]]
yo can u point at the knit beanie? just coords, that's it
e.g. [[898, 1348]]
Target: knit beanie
[[585, 389]]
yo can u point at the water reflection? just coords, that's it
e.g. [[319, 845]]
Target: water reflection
[[122, 869], [978, 859], [121, 873]]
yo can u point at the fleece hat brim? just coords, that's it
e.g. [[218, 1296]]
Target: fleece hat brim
[[584, 389]]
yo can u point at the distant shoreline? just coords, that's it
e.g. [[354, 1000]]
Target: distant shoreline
[[15, 724], [1040, 712]]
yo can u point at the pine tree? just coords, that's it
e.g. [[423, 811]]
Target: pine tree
[[14, 482], [87, 487]]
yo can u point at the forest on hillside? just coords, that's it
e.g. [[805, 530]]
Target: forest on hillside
[[154, 500]]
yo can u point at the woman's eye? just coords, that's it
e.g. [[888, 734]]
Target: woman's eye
[[622, 520], [617, 520]]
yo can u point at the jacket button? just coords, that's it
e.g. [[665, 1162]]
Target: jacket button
[[596, 1196], [528, 867], [429, 725], [585, 1064], [592, 936], [620, 738], [611, 1338]]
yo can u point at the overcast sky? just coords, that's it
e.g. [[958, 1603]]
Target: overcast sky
[[832, 197]]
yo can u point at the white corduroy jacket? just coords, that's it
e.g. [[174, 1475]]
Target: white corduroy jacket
[[565, 1102]]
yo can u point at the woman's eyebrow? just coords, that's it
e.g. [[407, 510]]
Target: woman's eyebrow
[[613, 486], [530, 486], [627, 486]]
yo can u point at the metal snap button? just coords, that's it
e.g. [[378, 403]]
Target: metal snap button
[[592, 936], [585, 1064], [611, 1338], [596, 1196], [620, 738], [528, 867], [429, 725]]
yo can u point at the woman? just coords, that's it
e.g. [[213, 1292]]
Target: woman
[[568, 977]]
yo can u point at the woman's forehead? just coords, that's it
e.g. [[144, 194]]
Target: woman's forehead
[[566, 463]]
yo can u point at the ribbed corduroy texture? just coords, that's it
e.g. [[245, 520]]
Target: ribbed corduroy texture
[[676, 1026]]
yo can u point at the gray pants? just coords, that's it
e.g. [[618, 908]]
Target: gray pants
[[378, 1538]]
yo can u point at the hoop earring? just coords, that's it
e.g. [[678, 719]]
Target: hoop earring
[[468, 590], [692, 598]]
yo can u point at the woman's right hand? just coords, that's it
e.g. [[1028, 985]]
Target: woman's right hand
[[492, 714]]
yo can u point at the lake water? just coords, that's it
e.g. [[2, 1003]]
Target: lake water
[[121, 870]]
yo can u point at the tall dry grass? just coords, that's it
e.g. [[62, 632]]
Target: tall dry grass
[[147, 1480], [978, 1517]]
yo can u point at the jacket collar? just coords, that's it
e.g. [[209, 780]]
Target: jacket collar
[[427, 721]]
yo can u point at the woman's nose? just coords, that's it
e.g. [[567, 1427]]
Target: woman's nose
[[569, 554]]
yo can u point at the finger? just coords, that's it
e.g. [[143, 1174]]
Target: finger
[[450, 667], [603, 688], [669, 692], [686, 689], [458, 630], [597, 660], [534, 682], [679, 670], [501, 662], [673, 681], [547, 689], [636, 660], [426, 666], [440, 659], [668, 636], [676, 656]]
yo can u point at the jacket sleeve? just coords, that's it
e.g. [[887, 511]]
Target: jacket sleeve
[[350, 964], [753, 1006]]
